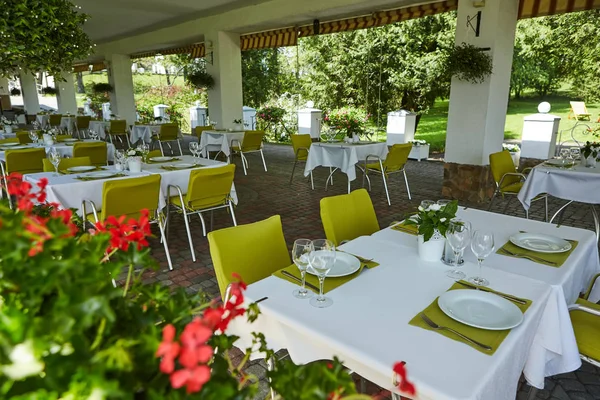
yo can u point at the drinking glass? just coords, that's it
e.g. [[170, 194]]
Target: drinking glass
[[427, 203], [482, 246], [564, 153], [55, 158], [194, 148], [457, 235], [214, 124], [301, 255], [320, 260], [34, 137], [575, 153], [94, 135], [145, 149], [443, 202]]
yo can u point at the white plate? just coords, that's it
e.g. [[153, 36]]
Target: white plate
[[182, 165], [480, 309], [16, 147], [70, 140], [161, 159], [101, 174], [345, 264], [9, 144], [82, 168], [554, 161], [540, 242]]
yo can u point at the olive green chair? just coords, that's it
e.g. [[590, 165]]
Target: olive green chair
[[117, 129], [169, 133], [66, 163], [251, 143], [395, 162], [96, 151], [585, 317], [301, 145]]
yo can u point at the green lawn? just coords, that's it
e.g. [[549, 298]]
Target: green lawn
[[432, 126]]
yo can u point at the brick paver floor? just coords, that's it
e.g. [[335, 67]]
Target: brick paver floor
[[262, 194]]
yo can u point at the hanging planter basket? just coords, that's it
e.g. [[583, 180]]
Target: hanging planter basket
[[15, 92], [49, 91], [201, 80], [102, 88], [469, 63]]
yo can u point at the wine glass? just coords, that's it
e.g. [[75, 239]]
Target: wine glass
[[482, 246], [575, 153], [94, 135], [564, 153], [443, 202], [300, 255], [194, 148], [55, 158], [145, 149], [427, 203], [457, 235], [214, 124], [34, 137], [320, 260]]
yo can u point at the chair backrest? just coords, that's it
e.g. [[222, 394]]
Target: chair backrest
[[155, 153], [23, 137], [61, 138], [199, 129], [209, 187], [579, 107], [25, 161], [502, 163], [168, 132], [118, 127], [83, 121], [301, 141], [66, 163], [9, 140], [96, 151], [252, 140], [348, 216], [397, 157], [254, 251], [55, 119], [130, 196]]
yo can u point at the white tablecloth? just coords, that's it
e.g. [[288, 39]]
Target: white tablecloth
[[578, 184], [43, 119], [99, 127], [367, 326], [68, 123], [66, 150], [219, 141], [143, 132], [342, 156]]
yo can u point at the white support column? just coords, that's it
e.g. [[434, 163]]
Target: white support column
[[225, 99], [29, 92], [477, 112], [66, 99], [122, 101]]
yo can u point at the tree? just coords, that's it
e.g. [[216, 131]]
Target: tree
[[260, 76]]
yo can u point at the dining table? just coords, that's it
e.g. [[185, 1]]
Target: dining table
[[574, 183], [71, 189], [214, 140], [68, 122], [99, 127], [43, 120], [64, 148], [374, 319], [143, 132], [342, 156]]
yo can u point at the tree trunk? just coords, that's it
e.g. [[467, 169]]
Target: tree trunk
[[80, 87], [168, 77]]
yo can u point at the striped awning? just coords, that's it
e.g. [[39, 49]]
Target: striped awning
[[269, 39], [540, 8], [195, 51], [97, 66]]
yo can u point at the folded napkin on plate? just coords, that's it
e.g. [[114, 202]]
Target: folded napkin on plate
[[161, 162], [170, 168], [491, 338], [550, 259], [410, 229], [328, 285], [65, 172], [93, 178]]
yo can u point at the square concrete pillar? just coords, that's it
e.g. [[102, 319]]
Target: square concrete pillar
[[122, 101], [477, 112], [225, 99], [66, 99], [29, 92]]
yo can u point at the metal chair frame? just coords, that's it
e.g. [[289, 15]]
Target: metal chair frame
[[312, 184], [523, 178], [244, 160], [384, 173]]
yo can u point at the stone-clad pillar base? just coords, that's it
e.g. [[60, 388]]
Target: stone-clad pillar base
[[472, 183]]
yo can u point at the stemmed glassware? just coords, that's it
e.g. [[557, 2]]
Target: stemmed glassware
[[575, 153], [145, 149], [55, 158], [120, 159], [482, 246], [564, 154], [214, 124], [321, 259], [443, 202], [458, 235], [427, 203], [301, 256], [34, 137], [194, 148], [94, 135]]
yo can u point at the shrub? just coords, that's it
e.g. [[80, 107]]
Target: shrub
[[349, 120]]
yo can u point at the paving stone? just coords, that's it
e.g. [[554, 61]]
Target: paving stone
[[588, 378], [594, 390], [559, 393], [571, 385]]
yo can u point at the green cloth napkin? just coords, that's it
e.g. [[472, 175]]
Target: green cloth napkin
[[491, 338], [410, 229], [161, 162], [169, 168], [329, 284], [92, 178], [550, 259]]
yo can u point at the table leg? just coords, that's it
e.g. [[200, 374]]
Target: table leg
[[560, 210], [330, 177], [596, 222]]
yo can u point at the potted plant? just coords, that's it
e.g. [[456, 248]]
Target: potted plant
[[590, 153], [420, 149], [238, 125], [49, 91], [15, 92], [201, 80], [469, 63], [432, 222], [351, 121], [515, 152]]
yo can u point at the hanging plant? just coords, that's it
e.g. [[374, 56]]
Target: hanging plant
[[102, 87], [469, 63], [42, 36], [201, 80], [15, 92], [50, 91]]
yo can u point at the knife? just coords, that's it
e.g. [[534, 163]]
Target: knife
[[506, 296], [294, 277]]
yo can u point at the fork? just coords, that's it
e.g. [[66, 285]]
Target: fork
[[438, 327], [527, 256]]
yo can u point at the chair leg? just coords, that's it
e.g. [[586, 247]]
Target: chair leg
[[168, 218], [293, 170], [492, 201], [244, 163], [166, 246], [546, 204], [232, 213], [312, 183], [263, 160], [387, 193], [161, 148], [407, 187], [506, 206], [189, 235], [179, 144], [203, 224]]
